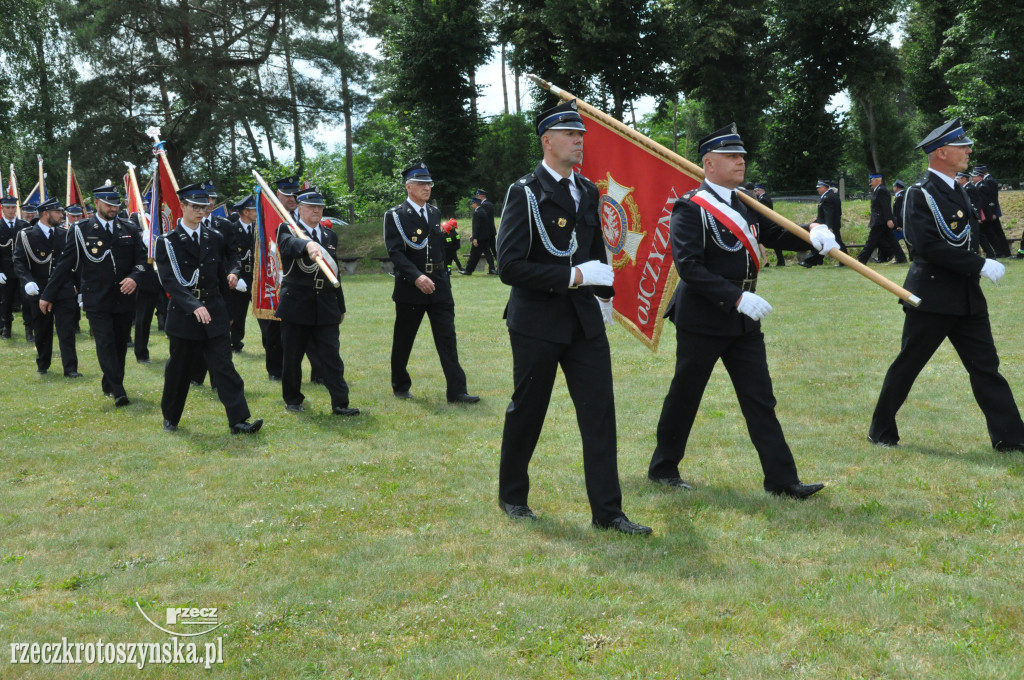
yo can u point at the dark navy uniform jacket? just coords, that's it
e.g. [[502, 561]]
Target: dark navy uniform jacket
[[541, 304], [214, 260], [410, 262], [307, 296], [946, 270]]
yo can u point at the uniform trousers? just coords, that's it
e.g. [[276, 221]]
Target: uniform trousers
[[270, 333], [483, 248], [882, 238], [993, 232], [586, 365], [7, 302], [63, 316], [238, 309], [214, 352], [111, 332], [147, 302], [971, 337], [452, 256], [442, 327], [321, 344], [746, 362]]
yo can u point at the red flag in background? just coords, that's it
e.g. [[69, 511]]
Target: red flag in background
[[265, 283], [74, 193], [637, 191], [168, 194]]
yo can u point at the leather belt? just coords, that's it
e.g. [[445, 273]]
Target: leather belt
[[204, 293], [432, 267], [316, 283], [746, 285]]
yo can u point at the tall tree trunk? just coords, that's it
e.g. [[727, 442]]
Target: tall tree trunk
[[504, 80], [45, 96], [675, 124], [296, 131], [472, 97], [346, 110], [266, 127], [869, 113], [519, 101], [253, 145]]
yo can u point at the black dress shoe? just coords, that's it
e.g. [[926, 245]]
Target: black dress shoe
[[6, 335], [516, 511], [144, 360], [72, 374], [1006, 447], [316, 380], [345, 411], [623, 525], [121, 400], [41, 371], [247, 428], [797, 490], [195, 383], [294, 408], [404, 394], [463, 399], [30, 336], [273, 377], [465, 273], [675, 482], [884, 443], [170, 427]]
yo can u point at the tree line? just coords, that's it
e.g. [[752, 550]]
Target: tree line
[[241, 84]]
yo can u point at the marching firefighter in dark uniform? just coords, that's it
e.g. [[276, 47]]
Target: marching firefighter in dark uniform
[[34, 260], [415, 242], [150, 298], [311, 308], [946, 274], [244, 243], [552, 254], [717, 315], [10, 295], [830, 213], [108, 256], [198, 268], [881, 225]]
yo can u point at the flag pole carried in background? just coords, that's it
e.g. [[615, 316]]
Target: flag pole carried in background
[[697, 173], [330, 272], [42, 181], [12, 190], [135, 204], [74, 193]]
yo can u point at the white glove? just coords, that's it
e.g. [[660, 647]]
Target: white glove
[[80, 303], [596, 273], [993, 270], [241, 287], [754, 306], [3, 277], [823, 239], [31, 288], [607, 312]]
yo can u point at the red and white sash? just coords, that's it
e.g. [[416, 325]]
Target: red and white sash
[[733, 221]]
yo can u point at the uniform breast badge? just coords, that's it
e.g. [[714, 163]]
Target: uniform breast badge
[[622, 232], [94, 250], [562, 222]]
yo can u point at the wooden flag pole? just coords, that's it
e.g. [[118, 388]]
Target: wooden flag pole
[[287, 218], [696, 172], [17, 194], [42, 180], [158, 144]]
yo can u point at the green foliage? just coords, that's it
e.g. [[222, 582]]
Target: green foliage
[[430, 48], [987, 83], [508, 150]]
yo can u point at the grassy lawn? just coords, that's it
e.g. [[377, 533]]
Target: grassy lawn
[[372, 547]]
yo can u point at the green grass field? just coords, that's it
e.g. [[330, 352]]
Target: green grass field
[[372, 547]]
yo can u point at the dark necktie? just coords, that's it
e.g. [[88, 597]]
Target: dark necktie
[[195, 237], [564, 189], [314, 236], [423, 214]]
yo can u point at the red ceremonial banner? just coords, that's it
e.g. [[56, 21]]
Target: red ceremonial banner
[[637, 191], [265, 284]]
